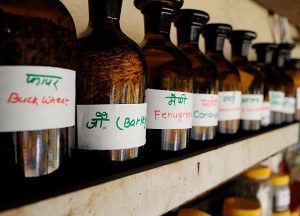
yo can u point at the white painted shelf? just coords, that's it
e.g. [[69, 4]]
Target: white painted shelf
[[159, 190]]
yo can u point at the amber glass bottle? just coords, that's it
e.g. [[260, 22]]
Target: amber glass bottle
[[189, 24], [229, 78], [273, 85], [252, 82], [282, 55], [111, 113], [170, 78], [37, 82], [292, 68]]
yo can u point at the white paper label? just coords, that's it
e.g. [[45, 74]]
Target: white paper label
[[289, 105], [298, 98], [229, 105], [169, 109], [266, 114], [282, 198], [36, 98], [276, 99], [205, 112], [111, 126], [251, 107]]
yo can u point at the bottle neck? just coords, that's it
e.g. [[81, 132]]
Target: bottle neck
[[279, 60], [239, 50], [158, 22], [265, 57], [188, 36], [214, 44], [104, 12]]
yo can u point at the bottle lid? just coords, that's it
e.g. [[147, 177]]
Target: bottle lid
[[174, 4], [235, 206], [280, 179], [285, 213], [191, 16], [258, 172], [217, 28], [242, 35], [264, 46], [287, 46], [191, 212]]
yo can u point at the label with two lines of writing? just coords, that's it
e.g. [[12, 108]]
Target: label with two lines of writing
[[276, 99], [251, 107], [205, 111], [111, 126], [169, 109], [229, 105], [36, 98], [289, 105]]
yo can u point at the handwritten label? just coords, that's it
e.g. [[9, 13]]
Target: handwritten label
[[111, 126], [251, 107], [169, 109], [205, 112], [276, 99], [36, 98], [266, 114], [229, 105], [289, 105], [298, 98]]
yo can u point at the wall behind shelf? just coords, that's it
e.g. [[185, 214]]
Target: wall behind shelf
[[244, 14]]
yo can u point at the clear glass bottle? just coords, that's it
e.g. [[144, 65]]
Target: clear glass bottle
[[170, 79], [281, 192], [255, 184], [252, 82], [273, 86], [189, 24], [37, 79], [229, 78], [282, 55], [111, 113], [292, 68]]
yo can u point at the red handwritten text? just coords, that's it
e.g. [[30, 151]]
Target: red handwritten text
[[171, 115], [55, 100], [16, 98]]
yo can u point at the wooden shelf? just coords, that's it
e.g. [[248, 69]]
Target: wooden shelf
[[160, 189]]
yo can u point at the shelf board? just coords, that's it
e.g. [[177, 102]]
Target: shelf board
[[163, 188]]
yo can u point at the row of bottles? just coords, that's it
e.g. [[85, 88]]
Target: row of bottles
[[177, 92]]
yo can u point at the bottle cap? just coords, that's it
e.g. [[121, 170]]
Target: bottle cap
[[285, 213], [242, 35], [217, 28], [235, 206], [280, 179], [191, 212], [174, 4], [191, 16], [259, 172]]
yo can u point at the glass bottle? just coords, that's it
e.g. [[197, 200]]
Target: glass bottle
[[292, 68], [273, 86], [281, 55], [37, 79], [189, 24], [111, 113], [170, 78], [252, 82], [229, 78]]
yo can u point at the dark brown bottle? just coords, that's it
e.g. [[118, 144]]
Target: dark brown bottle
[[189, 24], [170, 78], [229, 78], [273, 86], [111, 113], [252, 82], [292, 68], [38, 59], [281, 56]]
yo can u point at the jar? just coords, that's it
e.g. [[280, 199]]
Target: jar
[[169, 93], [111, 113], [252, 82], [236, 206], [189, 24], [37, 62], [284, 213], [256, 184], [229, 78], [191, 212], [281, 192]]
